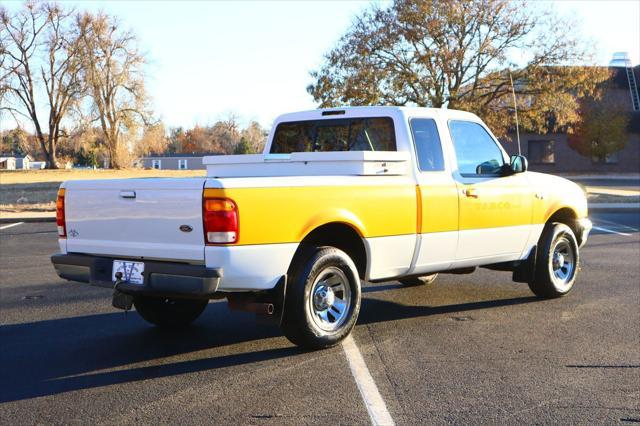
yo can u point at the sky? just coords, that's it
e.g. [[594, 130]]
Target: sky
[[208, 59]]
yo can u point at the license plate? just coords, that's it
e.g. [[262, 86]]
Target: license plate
[[131, 271]]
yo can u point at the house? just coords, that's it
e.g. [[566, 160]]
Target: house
[[173, 161], [551, 153], [15, 162], [7, 162], [22, 162]]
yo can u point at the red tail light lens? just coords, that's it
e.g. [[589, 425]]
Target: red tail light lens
[[62, 228], [220, 217]]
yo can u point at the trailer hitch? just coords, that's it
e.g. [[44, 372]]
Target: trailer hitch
[[121, 300]]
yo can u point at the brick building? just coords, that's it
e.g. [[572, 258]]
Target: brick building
[[551, 153]]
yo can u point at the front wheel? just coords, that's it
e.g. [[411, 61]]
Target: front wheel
[[165, 312], [323, 298], [557, 262]]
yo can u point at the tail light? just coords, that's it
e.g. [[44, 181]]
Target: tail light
[[62, 228], [220, 218]]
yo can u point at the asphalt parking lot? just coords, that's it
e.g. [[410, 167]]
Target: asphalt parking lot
[[467, 349]]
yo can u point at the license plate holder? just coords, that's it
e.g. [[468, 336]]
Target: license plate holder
[[132, 272]]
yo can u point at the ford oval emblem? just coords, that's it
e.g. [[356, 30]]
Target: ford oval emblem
[[186, 228]]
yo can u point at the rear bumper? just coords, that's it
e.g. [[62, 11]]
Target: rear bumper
[[163, 279]]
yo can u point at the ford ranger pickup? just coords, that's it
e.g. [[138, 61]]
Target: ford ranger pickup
[[338, 197]]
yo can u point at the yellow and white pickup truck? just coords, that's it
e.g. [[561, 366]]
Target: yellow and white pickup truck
[[338, 197]]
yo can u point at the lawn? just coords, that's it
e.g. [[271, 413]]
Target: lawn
[[35, 190]]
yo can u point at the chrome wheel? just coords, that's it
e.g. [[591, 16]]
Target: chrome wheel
[[330, 299], [562, 262]]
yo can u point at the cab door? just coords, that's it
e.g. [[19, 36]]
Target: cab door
[[495, 211], [437, 196]]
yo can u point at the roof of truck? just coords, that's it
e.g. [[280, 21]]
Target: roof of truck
[[370, 111]]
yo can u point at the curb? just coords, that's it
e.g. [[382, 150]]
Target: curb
[[627, 206], [630, 176]]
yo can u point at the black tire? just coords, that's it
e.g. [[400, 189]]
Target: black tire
[[169, 313], [424, 280], [555, 276], [313, 272]]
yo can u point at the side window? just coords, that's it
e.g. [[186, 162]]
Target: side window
[[476, 151], [345, 134], [428, 146]]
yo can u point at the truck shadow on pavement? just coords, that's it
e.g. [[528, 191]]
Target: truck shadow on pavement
[[62, 355]]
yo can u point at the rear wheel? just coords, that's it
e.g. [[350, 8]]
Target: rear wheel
[[323, 298], [165, 312], [557, 262], [424, 280]]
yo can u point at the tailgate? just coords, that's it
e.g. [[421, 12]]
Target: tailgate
[[140, 218]]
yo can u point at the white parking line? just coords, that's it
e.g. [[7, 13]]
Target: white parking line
[[376, 407], [10, 225], [619, 225], [599, 228]]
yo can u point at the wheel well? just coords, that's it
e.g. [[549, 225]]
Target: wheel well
[[568, 217], [340, 236]]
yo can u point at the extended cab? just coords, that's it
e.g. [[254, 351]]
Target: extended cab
[[338, 196]]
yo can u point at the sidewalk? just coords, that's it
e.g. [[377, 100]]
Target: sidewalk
[[612, 191], [6, 217]]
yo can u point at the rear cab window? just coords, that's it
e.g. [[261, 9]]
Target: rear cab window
[[342, 134], [427, 144]]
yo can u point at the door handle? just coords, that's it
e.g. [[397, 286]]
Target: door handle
[[470, 192], [128, 194]]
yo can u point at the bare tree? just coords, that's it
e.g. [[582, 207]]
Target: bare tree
[[4, 59], [254, 136], [112, 70], [153, 141], [39, 51], [458, 54], [225, 134]]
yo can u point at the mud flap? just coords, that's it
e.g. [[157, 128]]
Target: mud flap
[[279, 297], [268, 306], [526, 271]]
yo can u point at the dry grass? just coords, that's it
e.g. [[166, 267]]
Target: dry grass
[[35, 176], [35, 190], [34, 207]]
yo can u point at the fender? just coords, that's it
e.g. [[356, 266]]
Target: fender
[[333, 216]]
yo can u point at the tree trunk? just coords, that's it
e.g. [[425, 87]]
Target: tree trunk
[[50, 157], [114, 157], [54, 160]]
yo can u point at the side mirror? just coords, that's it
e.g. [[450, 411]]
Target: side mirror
[[518, 164]]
